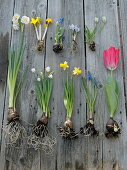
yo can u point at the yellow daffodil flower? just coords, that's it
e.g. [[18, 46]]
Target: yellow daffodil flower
[[64, 65], [77, 71], [35, 21], [48, 20]]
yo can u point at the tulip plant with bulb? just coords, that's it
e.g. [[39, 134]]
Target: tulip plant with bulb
[[91, 34], [37, 22], [59, 36], [111, 61], [39, 138], [91, 86], [67, 131], [13, 128]]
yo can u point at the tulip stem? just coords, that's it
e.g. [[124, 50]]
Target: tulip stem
[[111, 72]]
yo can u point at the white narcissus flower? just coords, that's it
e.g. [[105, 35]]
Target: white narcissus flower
[[25, 20], [33, 70], [47, 69], [15, 18], [38, 79], [50, 76], [96, 20], [104, 20], [16, 26]]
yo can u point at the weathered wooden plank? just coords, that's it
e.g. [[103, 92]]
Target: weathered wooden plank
[[5, 32], [122, 14], [109, 36], [93, 65], [4, 38], [68, 153], [27, 107], [84, 153]]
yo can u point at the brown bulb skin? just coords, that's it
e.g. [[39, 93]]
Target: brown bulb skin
[[12, 115], [68, 123], [40, 45], [43, 120]]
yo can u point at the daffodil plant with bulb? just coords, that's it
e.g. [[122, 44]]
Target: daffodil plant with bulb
[[90, 86], [67, 131], [111, 61], [75, 30], [91, 34], [14, 83], [59, 36], [37, 22]]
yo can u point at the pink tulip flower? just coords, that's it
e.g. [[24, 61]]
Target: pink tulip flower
[[111, 58]]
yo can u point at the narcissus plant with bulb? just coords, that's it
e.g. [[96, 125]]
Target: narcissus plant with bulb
[[37, 23], [14, 129], [67, 131], [40, 139]]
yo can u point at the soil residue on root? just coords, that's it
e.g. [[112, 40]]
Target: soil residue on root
[[57, 48], [40, 139], [89, 129], [14, 131], [67, 133], [92, 46], [112, 129], [74, 47]]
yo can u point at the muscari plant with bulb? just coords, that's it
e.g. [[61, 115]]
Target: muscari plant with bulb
[[67, 131], [111, 61], [75, 30], [91, 34], [40, 139], [59, 36], [14, 130], [91, 86]]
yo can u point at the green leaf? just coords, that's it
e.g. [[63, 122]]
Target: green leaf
[[15, 59], [112, 93], [43, 92], [69, 96]]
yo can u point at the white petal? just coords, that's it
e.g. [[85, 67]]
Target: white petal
[[104, 19], [16, 26], [47, 69], [33, 70], [50, 76], [38, 79], [25, 20], [96, 19]]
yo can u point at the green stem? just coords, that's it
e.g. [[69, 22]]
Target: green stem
[[111, 73]]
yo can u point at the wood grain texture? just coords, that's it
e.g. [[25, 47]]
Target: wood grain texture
[[85, 153]]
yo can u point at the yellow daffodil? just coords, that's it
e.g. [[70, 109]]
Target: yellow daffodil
[[35, 21], [48, 20], [64, 65], [77, 71]]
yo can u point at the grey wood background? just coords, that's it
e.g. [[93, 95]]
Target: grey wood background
[[85, 153]]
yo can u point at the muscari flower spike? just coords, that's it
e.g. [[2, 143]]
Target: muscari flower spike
[[61, 20], [89, 76]]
